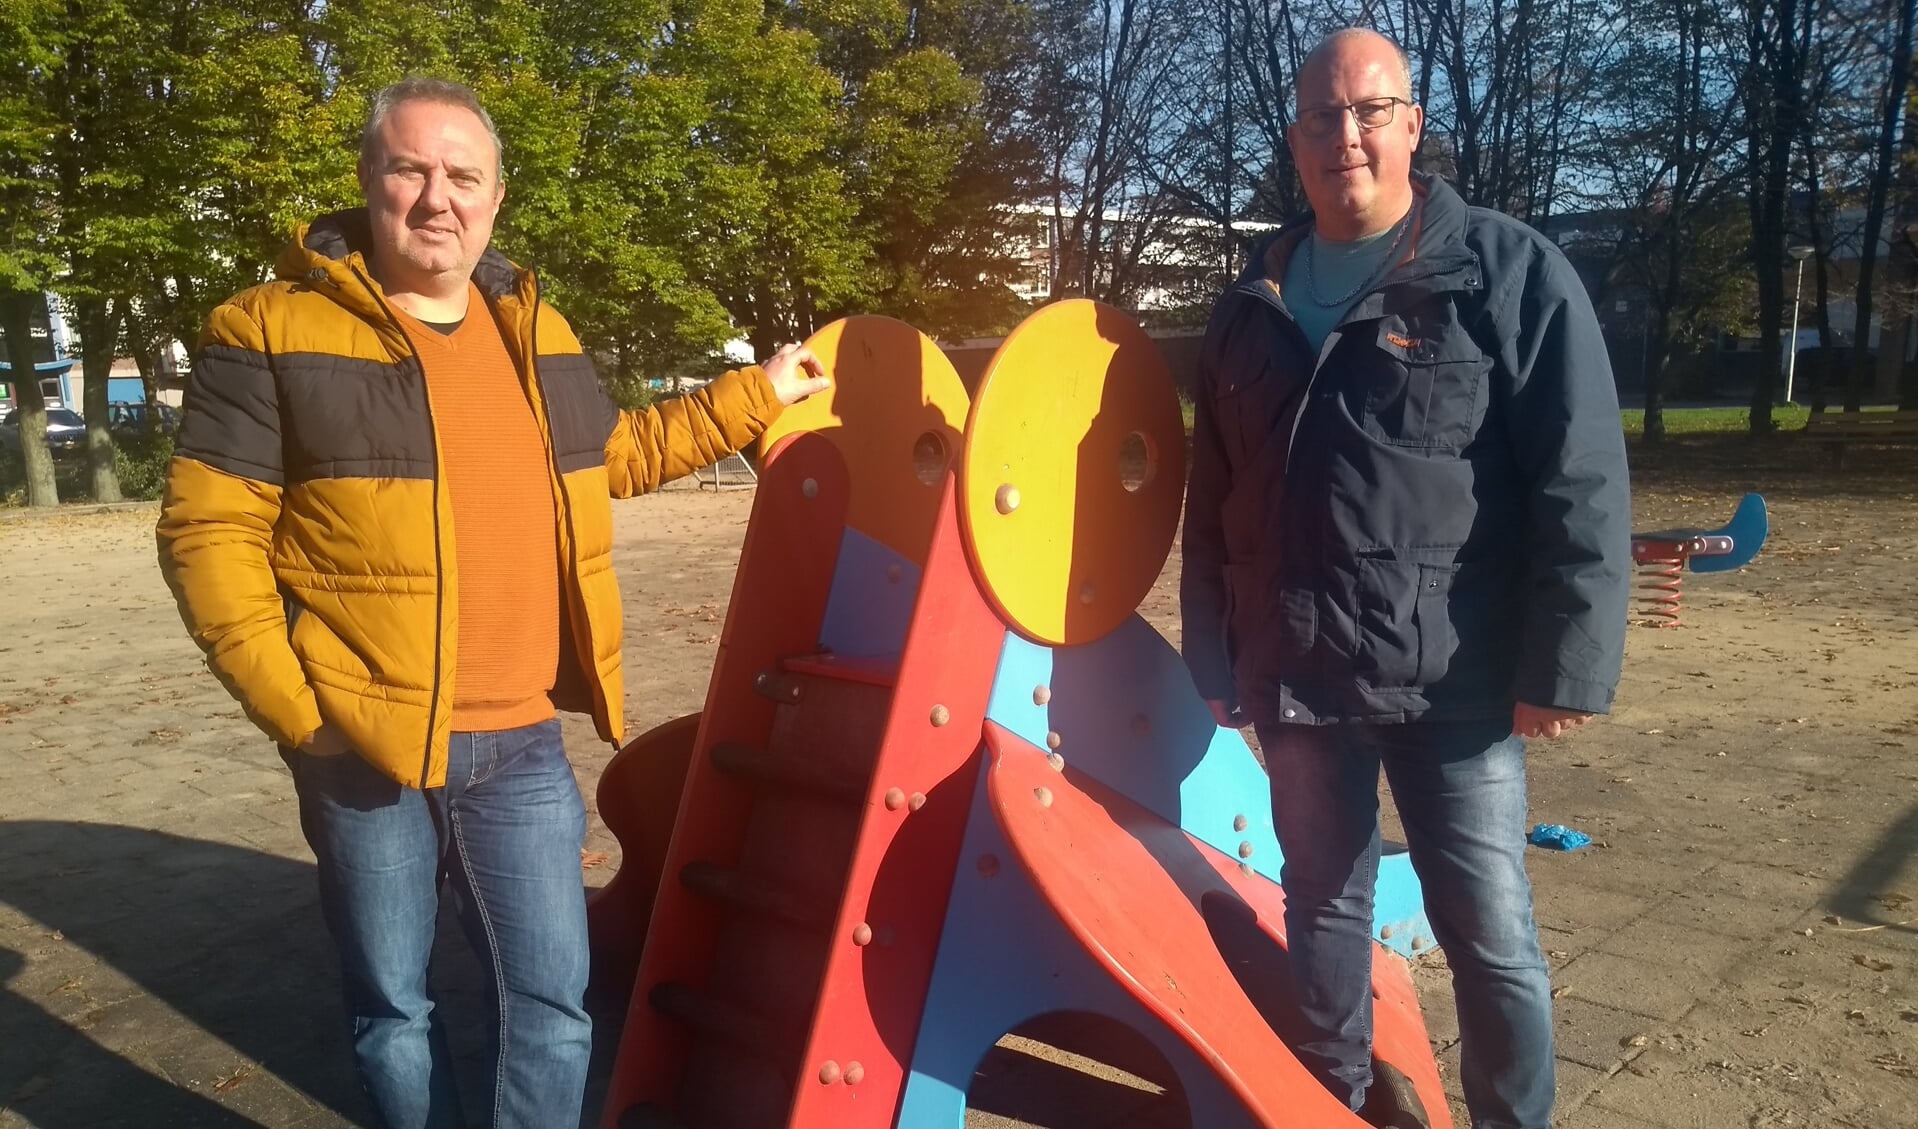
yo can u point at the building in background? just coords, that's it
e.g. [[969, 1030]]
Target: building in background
[[57, 365]]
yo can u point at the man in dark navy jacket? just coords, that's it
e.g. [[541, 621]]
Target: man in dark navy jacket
[[1406, 547]]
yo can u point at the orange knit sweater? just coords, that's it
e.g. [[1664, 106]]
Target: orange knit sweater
[[505, 528]]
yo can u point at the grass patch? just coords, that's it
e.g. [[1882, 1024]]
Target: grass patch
[[1704, 421], [1678, 421]]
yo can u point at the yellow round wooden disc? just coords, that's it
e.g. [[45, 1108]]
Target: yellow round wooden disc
[[896, 410], [1072, 473]]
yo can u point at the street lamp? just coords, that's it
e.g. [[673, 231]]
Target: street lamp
[[1801, 252]]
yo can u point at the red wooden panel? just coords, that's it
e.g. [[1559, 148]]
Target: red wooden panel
[[889, 922], [778, 602], [638, 797], [1102, 864]]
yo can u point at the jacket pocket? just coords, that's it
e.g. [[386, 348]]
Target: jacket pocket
[[293, 610], [1255, 394], [1424, 394], [1405, 636]]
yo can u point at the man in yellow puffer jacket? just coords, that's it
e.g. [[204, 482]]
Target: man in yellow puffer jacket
[[387, 524]]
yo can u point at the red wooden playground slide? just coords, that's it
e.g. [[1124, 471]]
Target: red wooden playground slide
[[947, 783]]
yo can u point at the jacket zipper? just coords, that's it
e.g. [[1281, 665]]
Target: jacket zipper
[[1305, 397], [439, 559]]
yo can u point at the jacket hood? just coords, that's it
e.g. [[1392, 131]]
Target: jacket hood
[[1439, 245], [335, 247]]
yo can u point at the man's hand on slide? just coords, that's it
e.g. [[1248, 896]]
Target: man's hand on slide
[[795, 373]]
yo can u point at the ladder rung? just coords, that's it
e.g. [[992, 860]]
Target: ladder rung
[[882, 671], [747, 891], [714, 1017], [649, 1117], [770, 768]]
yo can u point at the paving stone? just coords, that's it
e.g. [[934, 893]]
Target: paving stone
[[1592, 1116], [1660, 942], [1653, 990], [1661, 1090], [1568, 904], [1593, 1035], [1574, 1084], [1638, 870], [129, 1024], [1436, 1000]]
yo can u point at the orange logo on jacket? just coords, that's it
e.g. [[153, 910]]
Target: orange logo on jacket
[[1402, 342]]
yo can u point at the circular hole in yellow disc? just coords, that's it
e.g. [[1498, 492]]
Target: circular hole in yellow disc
[[895, 411], [1072, 471]]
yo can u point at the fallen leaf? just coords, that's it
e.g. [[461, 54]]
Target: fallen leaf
[[234, 1079], [1872, 963], [590, 859]]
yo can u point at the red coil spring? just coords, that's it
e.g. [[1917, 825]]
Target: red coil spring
[[1662, 569]]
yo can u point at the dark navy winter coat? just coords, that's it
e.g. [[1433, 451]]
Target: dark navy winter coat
[[1430, 518]]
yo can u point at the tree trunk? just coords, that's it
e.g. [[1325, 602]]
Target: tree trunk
[[97, 338], [1820, 376], [1778, 36], [1655, 379], [139, 337], [1884, 166], [16, 324]]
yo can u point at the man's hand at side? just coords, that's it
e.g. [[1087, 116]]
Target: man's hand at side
[[327, 742], [1543, 721], [795, 373]]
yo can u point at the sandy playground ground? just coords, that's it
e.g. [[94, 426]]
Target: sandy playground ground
[[1739, 948]]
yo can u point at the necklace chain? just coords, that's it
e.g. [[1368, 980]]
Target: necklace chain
[[1311, 281]]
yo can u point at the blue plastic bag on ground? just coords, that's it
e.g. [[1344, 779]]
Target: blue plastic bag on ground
[[1557, 837]]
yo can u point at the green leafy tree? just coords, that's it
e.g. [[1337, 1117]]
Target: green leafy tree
[[30, 44]]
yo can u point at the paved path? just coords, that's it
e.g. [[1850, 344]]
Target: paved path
[[162, 961]]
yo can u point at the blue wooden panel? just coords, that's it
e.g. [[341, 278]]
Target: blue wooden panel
[[1125, 712], [1004, 959], [870, 606]]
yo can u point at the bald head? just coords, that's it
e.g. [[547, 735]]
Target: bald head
[[1361, 45], [1355, 133]]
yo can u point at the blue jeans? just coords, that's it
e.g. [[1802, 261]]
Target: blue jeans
[[1460, 791], [506, 832]]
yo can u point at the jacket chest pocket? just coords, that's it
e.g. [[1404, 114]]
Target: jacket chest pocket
[[1256, 392], [1423, 392]]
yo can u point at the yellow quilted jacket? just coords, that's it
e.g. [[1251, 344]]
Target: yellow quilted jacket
[[307, 532]]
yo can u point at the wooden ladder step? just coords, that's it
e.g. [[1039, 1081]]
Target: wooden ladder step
[[756, 894], [881, 671], [716, 1018], [767, 768], [649, 1117]]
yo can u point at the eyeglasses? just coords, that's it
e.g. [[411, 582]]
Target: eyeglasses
[[1371, 114]]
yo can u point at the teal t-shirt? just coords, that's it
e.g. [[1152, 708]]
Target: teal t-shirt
[[1338, 272]]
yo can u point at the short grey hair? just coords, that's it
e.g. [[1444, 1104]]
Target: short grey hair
[[1345, 33], [418, 88]]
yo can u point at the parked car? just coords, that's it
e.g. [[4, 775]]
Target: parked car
[[131, 417], [66, 431]]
